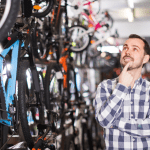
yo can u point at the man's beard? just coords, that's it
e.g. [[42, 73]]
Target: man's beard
[[132, 67]]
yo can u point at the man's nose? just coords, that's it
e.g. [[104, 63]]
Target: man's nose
[[128, 51]]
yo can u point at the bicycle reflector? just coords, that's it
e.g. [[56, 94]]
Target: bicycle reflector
[[73, 44], [37, 7], [9, 38]]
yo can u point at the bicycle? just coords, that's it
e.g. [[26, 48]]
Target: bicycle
[[99, 29], [22, 102]]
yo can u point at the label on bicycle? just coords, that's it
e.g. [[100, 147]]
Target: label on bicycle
[[59, 75]]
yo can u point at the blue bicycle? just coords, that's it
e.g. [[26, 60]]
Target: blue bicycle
[[21, 91]]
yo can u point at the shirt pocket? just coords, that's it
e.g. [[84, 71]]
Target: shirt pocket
[[141, 109]]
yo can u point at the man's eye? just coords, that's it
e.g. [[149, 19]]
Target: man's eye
[[135, 49], [124, 48]]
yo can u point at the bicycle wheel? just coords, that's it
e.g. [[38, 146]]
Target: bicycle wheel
[[79, 39], [38, 44], [69, 143], [53, 88], [86, 138], [45, 6], [3, 128], [71, 81], [61, 28], [31, 115], [8, 16], [97, 137]]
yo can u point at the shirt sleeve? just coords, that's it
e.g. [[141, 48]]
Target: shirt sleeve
[[134, 127], [108, 105]]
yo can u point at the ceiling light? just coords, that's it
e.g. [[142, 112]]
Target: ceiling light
[[130, 3], [130, 15]]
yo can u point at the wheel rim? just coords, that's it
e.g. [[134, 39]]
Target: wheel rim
[[78, 44], [6, 12], [43, 5]]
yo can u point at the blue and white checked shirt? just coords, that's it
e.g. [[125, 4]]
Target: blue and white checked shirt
[[125, 114]]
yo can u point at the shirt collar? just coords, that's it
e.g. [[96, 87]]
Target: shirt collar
[[139, 81]]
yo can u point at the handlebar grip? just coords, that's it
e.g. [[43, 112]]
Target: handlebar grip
[[38, 144]]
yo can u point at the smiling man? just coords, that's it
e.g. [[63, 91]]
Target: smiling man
[[122, 105]]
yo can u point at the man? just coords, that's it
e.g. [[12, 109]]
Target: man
[[122, 105]]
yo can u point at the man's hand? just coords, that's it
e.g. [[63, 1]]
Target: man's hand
[[125, 77]]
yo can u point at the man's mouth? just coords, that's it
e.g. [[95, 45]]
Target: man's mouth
[[126, 58]]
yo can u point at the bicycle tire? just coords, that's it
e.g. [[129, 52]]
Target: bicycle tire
[[9, 19], [69, 143], [4, 130], [53, 86], [3, 135], [39, 44], [75, 40], [71, 84], [61, 28], [26, 97], [86, 138], [46, 11], [97, 138]]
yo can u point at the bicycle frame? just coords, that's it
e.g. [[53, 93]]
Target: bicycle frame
[[96, 26], [91, 19], [9, 95]]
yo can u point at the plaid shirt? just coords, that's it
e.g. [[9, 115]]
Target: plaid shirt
[[124, 113]]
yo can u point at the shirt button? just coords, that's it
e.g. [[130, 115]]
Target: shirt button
[[139, 125], [133, 140]]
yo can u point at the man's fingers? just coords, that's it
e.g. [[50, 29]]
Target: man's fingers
[[127, 66]]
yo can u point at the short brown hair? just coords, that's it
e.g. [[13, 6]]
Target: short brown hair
[[146, 46]]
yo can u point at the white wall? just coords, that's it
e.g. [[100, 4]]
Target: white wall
[[126, 28]]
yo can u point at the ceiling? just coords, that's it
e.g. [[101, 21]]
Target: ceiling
[[118, 9]]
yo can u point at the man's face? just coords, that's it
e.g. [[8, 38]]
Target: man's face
[[133, 50]]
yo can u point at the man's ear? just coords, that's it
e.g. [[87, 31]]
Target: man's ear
[[146, 59]]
